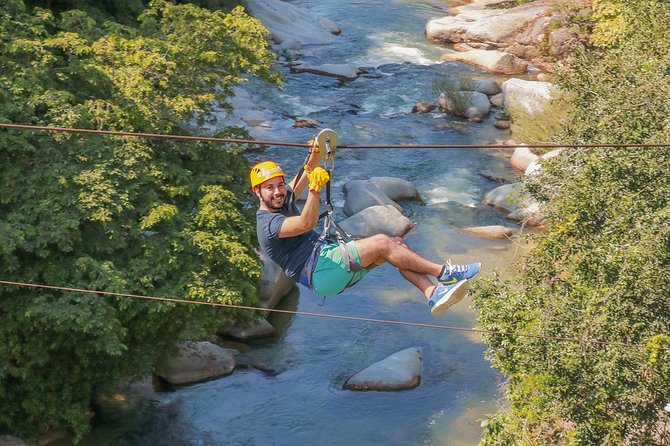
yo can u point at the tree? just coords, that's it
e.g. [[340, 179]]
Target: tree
[[600, 272], [116, 214]]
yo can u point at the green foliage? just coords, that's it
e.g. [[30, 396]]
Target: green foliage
[[601, 272], [116, 214], [540, 126], [617, 22]]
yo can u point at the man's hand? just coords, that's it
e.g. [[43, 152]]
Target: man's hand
[[317, 177]]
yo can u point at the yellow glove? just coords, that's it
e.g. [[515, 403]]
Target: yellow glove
[[317, 177]]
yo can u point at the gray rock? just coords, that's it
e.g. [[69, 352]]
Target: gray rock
[[196, 362], [400, 371], [487, 86], [362, 194], [490, 61], [493, 231], [8, 440], [474, 24], [260, 329], [497, 100], [396, 188], [470, 104], [377, 220], [343, 71], [503, 124], [274, 284], [528, 96], [514, 199], [286, 22], [522, 158]]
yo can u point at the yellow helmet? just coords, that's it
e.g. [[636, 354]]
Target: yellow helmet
[[264, 171]]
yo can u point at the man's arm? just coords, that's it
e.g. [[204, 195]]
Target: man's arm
[[299, 224]]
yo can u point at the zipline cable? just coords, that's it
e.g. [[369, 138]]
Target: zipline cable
[[335, 316], [289, 144], [150, 135]]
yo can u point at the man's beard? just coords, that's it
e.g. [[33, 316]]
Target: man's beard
[[270, 205]]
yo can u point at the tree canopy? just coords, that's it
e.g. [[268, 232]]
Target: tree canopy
[[117, 214]]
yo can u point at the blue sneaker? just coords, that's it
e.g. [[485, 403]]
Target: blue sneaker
[[455, 273], [445, 296]]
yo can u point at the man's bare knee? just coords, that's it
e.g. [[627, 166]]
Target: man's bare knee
[[400, 241]]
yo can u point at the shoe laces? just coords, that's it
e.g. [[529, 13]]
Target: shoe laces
[[456, 268]]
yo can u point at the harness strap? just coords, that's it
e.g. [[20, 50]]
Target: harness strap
[[306, 273]]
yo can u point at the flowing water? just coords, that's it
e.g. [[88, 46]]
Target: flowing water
[[304, 404]]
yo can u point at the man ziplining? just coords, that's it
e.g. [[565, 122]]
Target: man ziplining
[[288, 238]]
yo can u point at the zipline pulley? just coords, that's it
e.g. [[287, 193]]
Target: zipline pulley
[[327, 142]]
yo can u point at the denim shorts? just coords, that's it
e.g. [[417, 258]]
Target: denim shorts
[[330, 275]]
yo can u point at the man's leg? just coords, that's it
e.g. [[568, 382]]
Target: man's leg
[[381, 248]]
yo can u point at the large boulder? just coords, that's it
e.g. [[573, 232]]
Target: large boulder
[[473, 24], [400, 371], [487, 86], [496, 62], [274, 283], [377, 220], [469, 104], [288, 23], [362, 194], [396, 188], [522, 157], [520, 30], [196, 362], [528, 96]]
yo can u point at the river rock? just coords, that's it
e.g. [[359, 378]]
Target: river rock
[[196, 362], [288, 23], [259, 329], [377, 220], [396, 188], [469, 104], [343, 71], [362, 194], [487, 86], [500, 27], [274, 283], [528, 96], [301, 123], [522, 157], [424, 107], [497, 100], [493, 231], [496, 62], [400, 371], [514, 199], [8, 440], [503, 124]]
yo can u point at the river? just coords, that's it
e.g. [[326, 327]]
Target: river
[[304, 404]]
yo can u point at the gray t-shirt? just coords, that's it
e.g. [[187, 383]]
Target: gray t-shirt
[[290, 253]]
